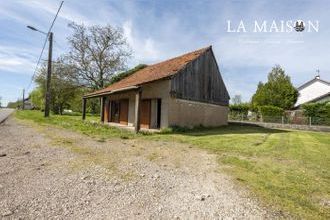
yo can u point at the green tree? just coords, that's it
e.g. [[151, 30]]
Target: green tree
[[277, 91], [37, 98], [64, 88]]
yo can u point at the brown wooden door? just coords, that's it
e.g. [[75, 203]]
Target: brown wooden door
[[106, 111], [114, 111], [145, 113], [123, 115]]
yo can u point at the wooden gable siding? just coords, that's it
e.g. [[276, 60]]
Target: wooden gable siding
[[201, 81]]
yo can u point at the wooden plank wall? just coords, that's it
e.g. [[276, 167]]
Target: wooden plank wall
[[201, 81]]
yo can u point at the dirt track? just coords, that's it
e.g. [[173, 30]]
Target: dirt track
[[53, 173]]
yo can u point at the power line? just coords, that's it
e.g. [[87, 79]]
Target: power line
[[55, 17], [44, 45], [35, 69]]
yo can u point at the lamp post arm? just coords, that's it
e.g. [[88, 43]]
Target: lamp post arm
[[35, 29]]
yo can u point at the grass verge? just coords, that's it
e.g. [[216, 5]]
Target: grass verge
[[90, 126]]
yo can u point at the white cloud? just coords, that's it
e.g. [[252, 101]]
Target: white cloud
[[18, 60], [15, 64], [144, 49], [8, 14]]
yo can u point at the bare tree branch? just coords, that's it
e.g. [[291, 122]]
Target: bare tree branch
[[97, 53]]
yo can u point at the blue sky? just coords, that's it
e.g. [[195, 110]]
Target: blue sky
[[157, 30]]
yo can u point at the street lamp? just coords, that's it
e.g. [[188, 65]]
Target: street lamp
[[49, 68], [35, 29]]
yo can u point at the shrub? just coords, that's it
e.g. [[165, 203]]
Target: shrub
[[319, 112], [269, 110], [316, 109], [239, 111], [271, 113]]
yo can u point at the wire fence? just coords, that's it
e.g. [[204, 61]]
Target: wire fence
[[294, 120]]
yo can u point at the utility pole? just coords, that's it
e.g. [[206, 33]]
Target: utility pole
[[23, 100], [49, 75], [49, 34]]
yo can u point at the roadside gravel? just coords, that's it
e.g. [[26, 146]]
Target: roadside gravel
[[49, 172]]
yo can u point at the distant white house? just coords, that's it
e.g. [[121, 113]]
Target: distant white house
[[27, 104], [315, 90]]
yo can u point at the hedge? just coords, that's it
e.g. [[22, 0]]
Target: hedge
[[271, 113], [239, 111], [319, 112]]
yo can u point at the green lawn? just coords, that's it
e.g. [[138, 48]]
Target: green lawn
[[289, 170]]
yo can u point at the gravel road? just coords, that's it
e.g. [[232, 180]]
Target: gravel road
[[4, 113], [46, 172]]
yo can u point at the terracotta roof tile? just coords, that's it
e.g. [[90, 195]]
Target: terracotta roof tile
[[153, 72]]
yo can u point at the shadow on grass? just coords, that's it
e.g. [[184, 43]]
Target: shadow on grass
[[222, 130]]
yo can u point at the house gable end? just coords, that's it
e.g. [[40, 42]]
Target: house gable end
[[315, 80], [312, 92], [201, 81]]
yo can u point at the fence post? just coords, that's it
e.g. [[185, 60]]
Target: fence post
[[310, 121], [282, 120]]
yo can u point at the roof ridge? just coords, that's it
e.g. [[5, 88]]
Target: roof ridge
[[182, 55], [311, 81], [159, 63], [157, 71]]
